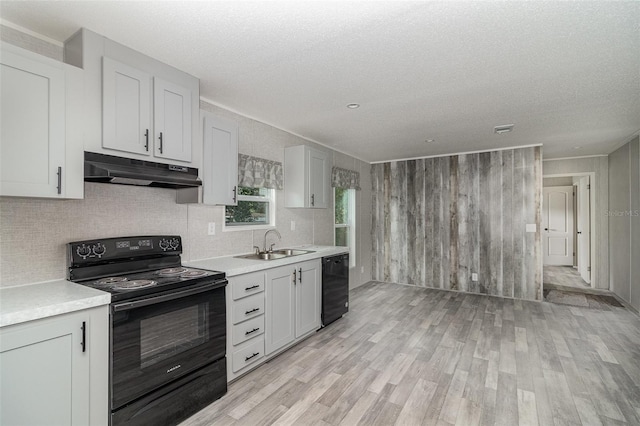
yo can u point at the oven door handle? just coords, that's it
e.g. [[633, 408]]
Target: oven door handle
[[127, 306]]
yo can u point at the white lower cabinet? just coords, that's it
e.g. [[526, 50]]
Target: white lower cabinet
[[280, 304], [245, 323], [269, 311], [292, 303], [55, 370]]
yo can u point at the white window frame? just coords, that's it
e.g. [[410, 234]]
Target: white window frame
[[270, 199], [351, 224]]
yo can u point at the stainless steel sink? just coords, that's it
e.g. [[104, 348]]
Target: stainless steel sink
[[276, 254], [292, 252]]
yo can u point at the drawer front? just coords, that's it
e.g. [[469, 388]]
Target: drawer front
[[247, 308], [247, 330], [246, 285], [248, 354]]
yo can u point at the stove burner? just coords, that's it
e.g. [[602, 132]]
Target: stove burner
[[170, 272], [193, 274], [111, 280], [134, 285]]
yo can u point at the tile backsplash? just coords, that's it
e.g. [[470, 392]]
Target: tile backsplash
[[34, 232]]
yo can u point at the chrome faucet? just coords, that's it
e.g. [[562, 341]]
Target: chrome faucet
[[265, 239]]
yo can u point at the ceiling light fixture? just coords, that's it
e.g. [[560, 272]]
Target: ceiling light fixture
[[353, 106], [429, 140], [505, 128]]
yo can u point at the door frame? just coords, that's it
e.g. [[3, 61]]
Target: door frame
[[592, 215]]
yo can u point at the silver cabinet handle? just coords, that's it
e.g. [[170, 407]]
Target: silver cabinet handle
[[160, 142], [235, 194], [300, 275], [313, 199], [250, 311], [146, 140]]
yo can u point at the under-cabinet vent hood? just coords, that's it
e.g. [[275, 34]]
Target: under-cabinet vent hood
[[127, 171]]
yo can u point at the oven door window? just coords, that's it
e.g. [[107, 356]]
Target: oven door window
[[155, 344], [168, 335]]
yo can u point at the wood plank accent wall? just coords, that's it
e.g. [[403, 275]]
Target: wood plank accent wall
[[438, 220]]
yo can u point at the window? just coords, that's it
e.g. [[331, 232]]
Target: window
[[344, 202], [256, 208]]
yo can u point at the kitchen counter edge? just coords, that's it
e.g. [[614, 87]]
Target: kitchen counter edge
[[233, 266], [23, 303]]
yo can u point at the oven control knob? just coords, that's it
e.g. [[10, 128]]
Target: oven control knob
[[175, 243], [83, 251], [164, 244], [99, 249]]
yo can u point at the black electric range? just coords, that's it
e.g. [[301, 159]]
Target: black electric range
[[167, 327]]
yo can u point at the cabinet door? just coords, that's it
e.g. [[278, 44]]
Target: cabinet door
[[32, 135], [318, 170], [45, 374], [220, 162], [126, 108], [308, 293], [279, 312], [172, 120]]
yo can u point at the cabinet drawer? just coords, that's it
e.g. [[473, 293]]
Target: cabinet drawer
[[248, 307], [248, 329], [248, 354], [246, 285]]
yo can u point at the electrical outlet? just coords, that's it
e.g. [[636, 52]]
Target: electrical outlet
[[212, 228], [474, 277], [293, 225]]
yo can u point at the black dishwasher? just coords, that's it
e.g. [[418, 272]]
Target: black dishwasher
[[335, 287]]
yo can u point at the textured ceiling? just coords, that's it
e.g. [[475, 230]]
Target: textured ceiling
[[567, 74]]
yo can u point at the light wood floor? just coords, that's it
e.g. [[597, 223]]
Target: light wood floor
[[407, 355], [567, 276]]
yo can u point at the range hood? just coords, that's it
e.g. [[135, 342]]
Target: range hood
[[127, 171]]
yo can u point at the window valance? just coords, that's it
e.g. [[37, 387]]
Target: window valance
[[344, 178], [259, 173]]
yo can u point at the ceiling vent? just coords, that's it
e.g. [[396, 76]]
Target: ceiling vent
[[505, 128]]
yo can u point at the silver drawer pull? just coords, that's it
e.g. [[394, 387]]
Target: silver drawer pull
[[246, 333], [252, 287], [251, 311], [255, 354]]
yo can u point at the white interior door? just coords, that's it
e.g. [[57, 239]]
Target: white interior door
[[557, 222], [584, 228]]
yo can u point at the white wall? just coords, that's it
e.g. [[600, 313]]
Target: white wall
[[600, 189], [624, 222], [33, 232]]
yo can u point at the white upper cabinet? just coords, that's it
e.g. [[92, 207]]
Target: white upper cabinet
[[40, 138], [220, 161], [306, 177], [126, 108], [136, 106], [172, 120]]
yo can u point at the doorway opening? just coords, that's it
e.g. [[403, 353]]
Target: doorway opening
[[567, 230]]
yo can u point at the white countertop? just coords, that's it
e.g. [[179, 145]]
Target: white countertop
[[236, 266], [34, 301], [41, 300]]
